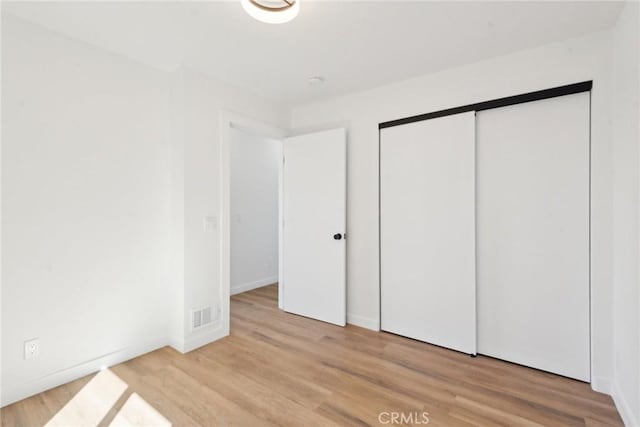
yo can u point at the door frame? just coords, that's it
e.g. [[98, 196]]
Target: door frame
[[231, 120]]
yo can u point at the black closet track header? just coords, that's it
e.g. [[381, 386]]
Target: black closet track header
[[496, 103]]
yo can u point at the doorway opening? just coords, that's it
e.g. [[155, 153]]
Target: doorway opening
[[258, 187], [251, 213], [255, 163]]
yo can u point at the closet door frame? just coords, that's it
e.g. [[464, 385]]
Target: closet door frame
[[554, 92]]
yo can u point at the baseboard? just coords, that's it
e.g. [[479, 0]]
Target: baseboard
[[200, 339], [363, 322], [628, 417], [253, 285], [601, 385], [14, 393]]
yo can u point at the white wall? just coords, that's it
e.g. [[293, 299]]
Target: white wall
[[585, 58], [626, 194], [108, 171], [255, 161], [85, 189], [198, 104]]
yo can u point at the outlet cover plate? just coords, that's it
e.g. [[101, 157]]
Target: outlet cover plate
[[31, 348]]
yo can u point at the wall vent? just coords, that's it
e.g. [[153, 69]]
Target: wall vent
[[201, 318]]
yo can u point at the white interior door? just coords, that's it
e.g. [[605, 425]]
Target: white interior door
[[533, 234], [314, 212], [427, 231]]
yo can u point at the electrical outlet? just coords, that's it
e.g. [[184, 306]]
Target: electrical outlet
[[31, 348]]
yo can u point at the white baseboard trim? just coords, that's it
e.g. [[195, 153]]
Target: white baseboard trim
[[601, 385], [363, 322], [627, 415], [253, 285], [201, 338], [13, 393]]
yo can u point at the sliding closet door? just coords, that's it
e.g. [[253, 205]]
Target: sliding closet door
[[533, 234], [427, 235]]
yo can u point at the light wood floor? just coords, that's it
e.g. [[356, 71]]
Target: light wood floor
[[281, 369]]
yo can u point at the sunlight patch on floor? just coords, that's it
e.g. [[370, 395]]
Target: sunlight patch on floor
[[90, 405], [94, 401], [137, 412]]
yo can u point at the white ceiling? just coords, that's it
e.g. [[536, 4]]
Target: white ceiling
[[354, 45]]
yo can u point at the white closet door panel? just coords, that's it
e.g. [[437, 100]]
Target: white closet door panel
[[427, 233], [533, 234]]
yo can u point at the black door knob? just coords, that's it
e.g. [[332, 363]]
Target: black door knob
[[337, 236]]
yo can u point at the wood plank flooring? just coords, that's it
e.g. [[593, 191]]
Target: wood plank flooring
[[281, 369]]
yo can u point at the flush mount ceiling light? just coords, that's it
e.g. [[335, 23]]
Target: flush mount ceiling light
[[272, 11]]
